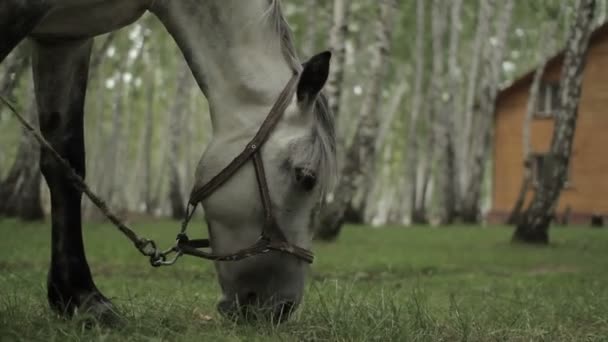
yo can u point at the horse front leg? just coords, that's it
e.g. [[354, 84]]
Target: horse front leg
[[60, 75], [17, 19]]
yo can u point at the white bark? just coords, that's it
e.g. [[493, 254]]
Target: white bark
[[147, 150], [411, 167], [484, 130], [379, 199], [338, 37], [446, 106], [15, 66], [20, 190], [437, 89], [486, 9], [310, 35], [534, 225], [545, 47], [361, 155], [177, 113]]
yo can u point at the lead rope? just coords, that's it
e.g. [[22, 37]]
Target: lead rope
[[145, 246], [181, 238], [183, 245]]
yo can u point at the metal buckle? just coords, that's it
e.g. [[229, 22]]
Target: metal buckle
[[160, 259]]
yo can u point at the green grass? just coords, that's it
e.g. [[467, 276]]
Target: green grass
[[427, 284]]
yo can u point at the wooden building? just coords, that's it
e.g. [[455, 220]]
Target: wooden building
[[586, 192]]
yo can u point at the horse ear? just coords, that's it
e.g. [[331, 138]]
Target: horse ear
[[313, 77]]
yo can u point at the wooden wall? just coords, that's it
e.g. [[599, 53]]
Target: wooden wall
[[587, 191]]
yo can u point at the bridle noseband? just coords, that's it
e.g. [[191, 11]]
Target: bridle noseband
[[271, 237]]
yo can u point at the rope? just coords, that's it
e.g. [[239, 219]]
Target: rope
[[271, 237], [145, 246]]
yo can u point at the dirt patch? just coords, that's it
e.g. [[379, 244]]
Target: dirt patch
[[554, 269], [16, 266]]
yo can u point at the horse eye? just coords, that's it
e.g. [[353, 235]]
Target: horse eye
[[306, 178]]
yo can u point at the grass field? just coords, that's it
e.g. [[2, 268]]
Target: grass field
[[427, 284]]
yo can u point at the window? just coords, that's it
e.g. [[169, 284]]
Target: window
[[540, 162], [538, 165], [548, 99]]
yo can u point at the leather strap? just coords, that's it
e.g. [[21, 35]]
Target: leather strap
[[252, 147], [262, 246], [271, 238], [271, 228]]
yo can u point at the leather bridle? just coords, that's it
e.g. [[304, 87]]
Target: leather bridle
[[271, 237]]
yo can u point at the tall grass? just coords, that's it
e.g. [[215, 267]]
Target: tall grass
[[392, 284]]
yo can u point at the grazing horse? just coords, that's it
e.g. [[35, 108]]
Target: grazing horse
[[242, 56]]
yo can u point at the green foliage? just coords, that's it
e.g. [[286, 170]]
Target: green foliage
[[419, 284]]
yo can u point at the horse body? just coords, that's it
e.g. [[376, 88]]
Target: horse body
[[235, 52], [241, 56], [87, 18]]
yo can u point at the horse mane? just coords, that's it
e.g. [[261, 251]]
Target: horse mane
[[323, 147]]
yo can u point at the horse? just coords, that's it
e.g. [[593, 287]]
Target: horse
[[242, 56]]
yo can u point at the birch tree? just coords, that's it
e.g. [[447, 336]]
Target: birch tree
[[534, 224], [444, 90], [20, 190], [481, 142], [310, 35], [377, 200], [465, 128], [450, 187], [337, 42], [96, 146], [175, 122], [16, 65], [149, 204], [411, 160], [545, 47], [361, 155]]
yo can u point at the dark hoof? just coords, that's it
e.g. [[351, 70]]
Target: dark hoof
[[96, 310], [89, 309]]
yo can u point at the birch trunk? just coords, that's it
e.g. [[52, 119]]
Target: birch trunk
[[111, 154], [377, 203], [175, 125], [444, 93], [361, 155], [425, 167], [437, 89], [15, 66], [98, 58], [534, 224], [480, 148], [310, 35], [97, 146], [485, 14], [411, 160], [186, 140], [20, 190], [112, 183], [147, 150], [545, 47], [337, 42]]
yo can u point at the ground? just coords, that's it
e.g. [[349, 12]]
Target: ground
[[406, 284]]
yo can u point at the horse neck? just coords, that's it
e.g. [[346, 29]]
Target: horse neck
[[234, 53]]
